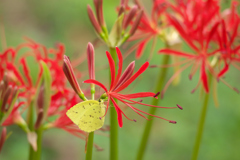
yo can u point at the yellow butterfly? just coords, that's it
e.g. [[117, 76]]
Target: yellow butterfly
[[88, 115]]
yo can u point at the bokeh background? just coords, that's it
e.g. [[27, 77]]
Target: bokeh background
[[51, 21]]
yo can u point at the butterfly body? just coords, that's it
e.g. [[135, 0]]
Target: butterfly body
[[88, 115]]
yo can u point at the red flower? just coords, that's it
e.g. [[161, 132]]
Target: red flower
[[149, 27], [199, 25], [121, 82], [61, 96]]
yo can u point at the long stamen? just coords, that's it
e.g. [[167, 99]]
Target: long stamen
[[173, 77]]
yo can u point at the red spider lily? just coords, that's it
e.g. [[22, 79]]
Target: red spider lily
[[199, 26], [198, 29], [61, 96], [149, 27], [121, 82]]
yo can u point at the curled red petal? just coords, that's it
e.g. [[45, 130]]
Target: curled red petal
[[224, 70], [112, 68], [10, 66], [97, 83], [140, 49], [140, 95], [119, 54], [26, 71], [204, 77], [119, 113], [181, 31], [211, 33], [176, 53]]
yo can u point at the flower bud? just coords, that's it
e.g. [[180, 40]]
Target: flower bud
[[68, 71], [129, 17], [136, 23], [91, 61], [99, 11], [93, 20]]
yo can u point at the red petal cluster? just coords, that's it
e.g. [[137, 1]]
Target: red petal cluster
[[19, 74], [203, 27]]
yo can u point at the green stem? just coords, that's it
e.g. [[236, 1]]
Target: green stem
[[90, 146], [36, 155], [113, 121], [201, 124], [30, 125], [148, 126]]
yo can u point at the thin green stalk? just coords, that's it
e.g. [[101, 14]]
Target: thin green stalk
[[31, 127], [89, 146], [37, 155], [91, 134], [113, 122], [201, 124], [152, 110]]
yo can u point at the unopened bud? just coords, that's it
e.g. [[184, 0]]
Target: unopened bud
[[129, 17], [93, 20], [39, 119], [99, 11], [5, 98], [121, 10], [136, 23], [40, 98], [68, 71], [91, 61]]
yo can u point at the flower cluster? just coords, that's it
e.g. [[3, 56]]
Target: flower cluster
[[120, 82], [210, 33], [119, 33], [18, 81]]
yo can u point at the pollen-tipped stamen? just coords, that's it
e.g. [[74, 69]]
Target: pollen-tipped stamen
[[179, 107]]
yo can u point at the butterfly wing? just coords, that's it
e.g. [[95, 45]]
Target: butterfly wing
[[91, 120], [77, 111]]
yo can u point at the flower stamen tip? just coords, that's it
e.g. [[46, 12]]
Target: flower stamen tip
[[179, 107], [173, 122], [156, 95], [153, 66], [190, 77], [236, 90], [134, 120]]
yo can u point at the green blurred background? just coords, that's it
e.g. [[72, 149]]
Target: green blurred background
[[51, 21]]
